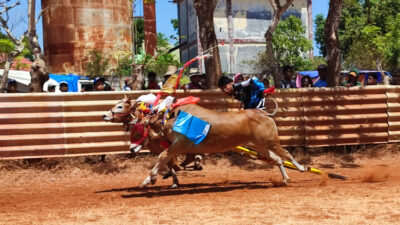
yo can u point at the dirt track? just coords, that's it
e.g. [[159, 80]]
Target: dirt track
[[219, 194]]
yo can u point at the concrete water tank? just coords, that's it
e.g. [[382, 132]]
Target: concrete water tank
[[73, 28]]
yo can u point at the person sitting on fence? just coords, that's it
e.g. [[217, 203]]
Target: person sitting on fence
[[249, 92]]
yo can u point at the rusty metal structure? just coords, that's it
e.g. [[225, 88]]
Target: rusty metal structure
[[73, 28], [150, 32], [241, 25]]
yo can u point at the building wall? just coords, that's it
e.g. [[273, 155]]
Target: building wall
[[250, 18], [73, 28]]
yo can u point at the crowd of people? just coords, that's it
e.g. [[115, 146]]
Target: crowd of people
[[197, 80]]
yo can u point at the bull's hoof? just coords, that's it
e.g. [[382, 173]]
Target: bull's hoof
[[153, 180], [134, 148], [197, 167], [168, 175], [174, 186]]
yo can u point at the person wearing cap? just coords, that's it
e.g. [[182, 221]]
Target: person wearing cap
[[352, 78], [323, 75], [152, 81], [51, 88], [249, 92], [98, 84], [12, 86], [64, 86], [195, 80], [171, 70], [287, 81]]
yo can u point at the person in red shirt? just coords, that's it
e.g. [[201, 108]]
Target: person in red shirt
[[152, 81]]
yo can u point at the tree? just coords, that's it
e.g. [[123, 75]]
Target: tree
[[332, 42], [290, 43], [97, 65], [368, 34], [290, 46], [39, 71], [278, 9], [205, 15], [18, 42]]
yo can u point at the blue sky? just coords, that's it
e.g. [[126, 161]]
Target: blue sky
[[165, 11]]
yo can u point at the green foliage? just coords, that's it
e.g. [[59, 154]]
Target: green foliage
[[97, 65], [319, 34], [290, 47], [138, 30], [175, 25], [7, 46], [160, 62], [368, 34], [290, 43]]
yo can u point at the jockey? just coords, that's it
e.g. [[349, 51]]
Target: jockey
[[248, 92]]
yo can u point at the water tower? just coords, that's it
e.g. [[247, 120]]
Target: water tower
[[73, 28]]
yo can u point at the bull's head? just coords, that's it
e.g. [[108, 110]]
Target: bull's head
[[122, 112]]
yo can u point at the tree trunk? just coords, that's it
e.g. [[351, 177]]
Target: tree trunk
[[272, 63], [332, 42], [205, 15], [39, 73]]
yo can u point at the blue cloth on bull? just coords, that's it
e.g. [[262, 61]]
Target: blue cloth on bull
[[192, 127]]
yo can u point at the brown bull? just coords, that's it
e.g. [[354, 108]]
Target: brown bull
[[228, 130]]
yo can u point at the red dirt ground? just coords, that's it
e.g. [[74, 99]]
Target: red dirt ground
[[80, 191]]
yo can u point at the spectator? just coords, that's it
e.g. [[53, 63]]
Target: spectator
[[98, 84], [323, 75], [287, 81], [63, 86], [238, 78], [51, 88], [203, 81], [128, 83], [195, 80], [107, 86], [265, 81], [396, 77], [352, 78], [171, 70], [12, 86], [152, 81], [372, 79], [306, 81]]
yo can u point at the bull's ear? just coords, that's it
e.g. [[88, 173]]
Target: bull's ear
[[134, 103]]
